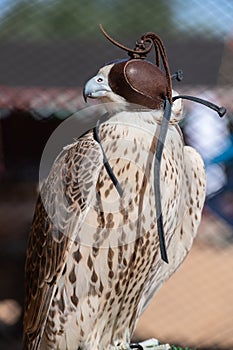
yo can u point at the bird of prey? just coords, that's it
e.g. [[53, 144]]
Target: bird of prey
[[94, 254]]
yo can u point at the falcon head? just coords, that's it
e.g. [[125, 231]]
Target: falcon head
[[134, 81]]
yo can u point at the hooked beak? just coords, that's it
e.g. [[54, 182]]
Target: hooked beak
[[96, 87]]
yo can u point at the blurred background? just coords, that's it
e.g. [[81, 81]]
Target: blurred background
[[48, 49]]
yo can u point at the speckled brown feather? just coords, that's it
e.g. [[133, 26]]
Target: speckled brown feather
[[48, 246]]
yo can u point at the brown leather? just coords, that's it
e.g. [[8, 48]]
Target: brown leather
[[139, 82]]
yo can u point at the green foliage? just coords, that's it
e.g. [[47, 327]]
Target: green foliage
[[179, 348], [49, 19]]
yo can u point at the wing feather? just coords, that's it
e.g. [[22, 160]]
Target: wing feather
[[60, 210]]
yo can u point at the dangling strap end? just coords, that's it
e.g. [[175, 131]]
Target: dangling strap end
[[106, 163], [163, 250], [157, 163], [222, 111]]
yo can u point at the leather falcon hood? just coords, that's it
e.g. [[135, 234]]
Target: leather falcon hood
[[139, 82]]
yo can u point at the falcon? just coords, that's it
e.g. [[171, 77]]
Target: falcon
[[117, 213]]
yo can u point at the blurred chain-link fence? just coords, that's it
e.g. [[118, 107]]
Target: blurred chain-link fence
[[48, 49]]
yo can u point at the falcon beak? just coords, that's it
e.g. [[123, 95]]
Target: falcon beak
[[96, 87]]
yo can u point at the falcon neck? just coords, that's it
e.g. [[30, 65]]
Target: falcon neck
[[139, 116]]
